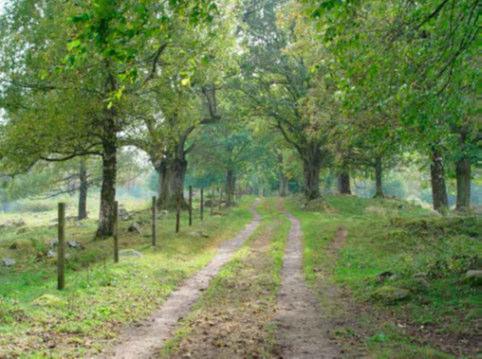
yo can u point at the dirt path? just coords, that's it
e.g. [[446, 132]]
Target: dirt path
[[143, 341], [236, 312], [302, 331]]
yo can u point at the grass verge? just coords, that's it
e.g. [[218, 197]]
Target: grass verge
[[404, 269], [38, 321]]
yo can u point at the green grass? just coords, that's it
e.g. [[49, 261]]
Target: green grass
[[229, 289], [100, 297], [390, 235]]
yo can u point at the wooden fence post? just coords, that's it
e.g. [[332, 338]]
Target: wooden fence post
[[61, 247], [178, 212], [116, 232], [202, 204], [220, 199], [213, 196], [190, 205], [154, 232]]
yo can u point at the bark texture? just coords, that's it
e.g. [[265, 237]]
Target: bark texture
[[312, 160], [379, 178], [109, 176], [439, 188], [464, 174], [83, 190], [230, 187], [344, 186]]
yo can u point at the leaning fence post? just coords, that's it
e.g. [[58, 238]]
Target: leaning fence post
[[116, 232], [190, 205], [178, 212], [154, 235], [61, 247], [202, 204]]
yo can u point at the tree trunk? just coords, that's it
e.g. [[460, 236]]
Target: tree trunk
[[439, 189], [177, 169], [164, 194], [311, 169], [283, 185], [109, 174], [230, 187], [463, 172], [83, 190], [379, 178], [344, 183]]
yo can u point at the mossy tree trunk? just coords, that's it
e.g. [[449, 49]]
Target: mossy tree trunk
[[379, 178], [83, 190], [439, 188], [464, 174]]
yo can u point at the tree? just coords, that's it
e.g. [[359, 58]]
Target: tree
[[98, 52], [281, 90]]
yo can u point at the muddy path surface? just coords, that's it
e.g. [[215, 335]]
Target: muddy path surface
[[302, 330], [145, 340]]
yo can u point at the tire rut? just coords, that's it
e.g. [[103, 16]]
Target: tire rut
[[302, 332]]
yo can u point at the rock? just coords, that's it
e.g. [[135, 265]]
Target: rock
[[75, 245], [8, 262], [130, 253], [49, 300], [420, 275], [123, 214], [421, 283], [51, 254], [54, 243], [382, 277], [163, 213], [199, 234], [134, 228], [473, 277], [390, 295]]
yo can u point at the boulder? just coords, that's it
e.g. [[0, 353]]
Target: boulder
[[74, 244], [130, 253], [51, 254], [473, 277], [134, 228], [391, 295], [8, 262]]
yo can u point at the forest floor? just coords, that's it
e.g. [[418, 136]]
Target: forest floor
[[350, 278]]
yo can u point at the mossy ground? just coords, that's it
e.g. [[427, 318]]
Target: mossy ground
[[441, 317]]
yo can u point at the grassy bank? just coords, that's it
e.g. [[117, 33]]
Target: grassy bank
[[38, 321], [404, 268]]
